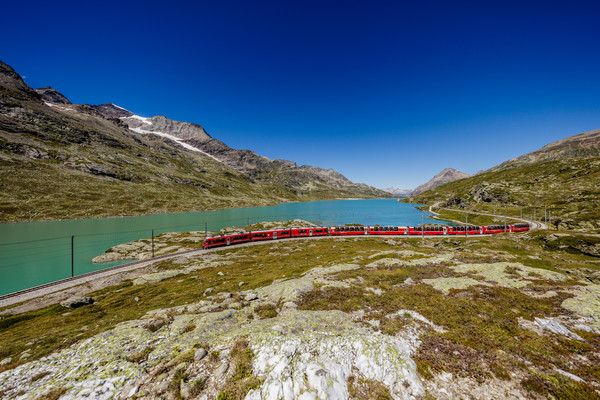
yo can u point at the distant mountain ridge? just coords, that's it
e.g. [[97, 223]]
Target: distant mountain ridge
[[60, 160], [445, 176], [583, 145], [245, 161], [398, 192]]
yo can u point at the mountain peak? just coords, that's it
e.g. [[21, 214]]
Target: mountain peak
[[445, 176], [52, 95], [14, 87], [110, 110]]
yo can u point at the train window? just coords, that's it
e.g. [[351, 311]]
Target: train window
[[302, 231], [395, 229], [219, 240], [285, 232]]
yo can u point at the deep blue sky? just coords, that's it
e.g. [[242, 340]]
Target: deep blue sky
[[386, 92]]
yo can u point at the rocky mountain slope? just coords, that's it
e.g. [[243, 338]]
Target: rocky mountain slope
[[562, 177], [584, 145], [60, 160], [445, 176]]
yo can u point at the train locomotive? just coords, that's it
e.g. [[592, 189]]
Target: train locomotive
[[283, 233]]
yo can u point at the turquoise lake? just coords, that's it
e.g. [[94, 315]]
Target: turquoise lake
[[34, 253]]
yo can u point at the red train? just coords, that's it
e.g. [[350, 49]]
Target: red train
[[226, 240]]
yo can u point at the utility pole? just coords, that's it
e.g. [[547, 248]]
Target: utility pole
[[549, 218], [205, 230], [466, 225], [72, 256], [521, 212], [352, 218], [422, 225], [152, 243], [248, 225], [534, 213], [545, 216]]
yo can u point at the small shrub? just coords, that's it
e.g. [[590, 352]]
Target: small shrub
[[52, 394], [140, 356], [214, 356], [39, 376], [266, 311], [367, 389], [189, 328]]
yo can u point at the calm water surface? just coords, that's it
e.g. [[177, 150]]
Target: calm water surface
[[34, 253]]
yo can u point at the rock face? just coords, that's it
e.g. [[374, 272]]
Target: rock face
[[52, 95], [447, 175], [257, 167], [109, 110]]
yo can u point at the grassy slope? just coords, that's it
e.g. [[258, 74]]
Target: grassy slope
[[94, 168], [570, 188]]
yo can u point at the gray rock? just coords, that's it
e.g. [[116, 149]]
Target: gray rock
[[209, 291], [250, 296], [556, 327], [6, 361], [408, 282], [184, 390], [223, 354], [199, 354], [241, 284], [222, 370], [76, 301], [220, 273], [235, 306], [226, 314], [290, 305]]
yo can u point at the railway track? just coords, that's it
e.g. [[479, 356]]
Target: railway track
[[56, 286]]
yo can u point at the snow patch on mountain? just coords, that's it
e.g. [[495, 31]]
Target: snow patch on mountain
[[143, 119], [173, 138]]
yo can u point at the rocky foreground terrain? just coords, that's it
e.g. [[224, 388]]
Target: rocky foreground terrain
[[510, 316]]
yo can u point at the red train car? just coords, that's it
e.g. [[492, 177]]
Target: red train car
[[465, 230], [520, 227], [312, 231], [348, 230], [428, 230], [386, 230], [263, 235], [490, 229], [226, 240]]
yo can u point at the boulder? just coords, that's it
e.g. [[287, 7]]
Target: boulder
[[76, 301]]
